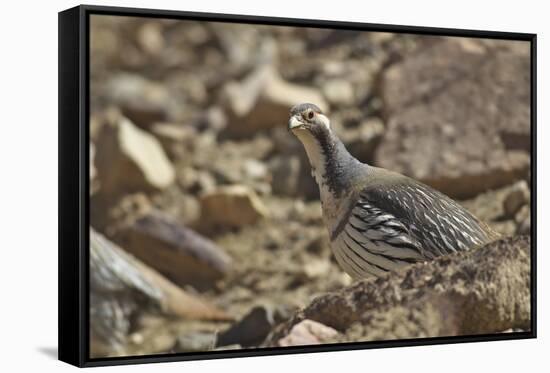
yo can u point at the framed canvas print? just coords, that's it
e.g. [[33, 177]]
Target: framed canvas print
[[234, 185]]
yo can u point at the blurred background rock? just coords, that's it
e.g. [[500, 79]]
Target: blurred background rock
[[197, 184]]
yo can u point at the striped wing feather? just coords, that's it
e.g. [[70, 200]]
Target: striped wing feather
[[399, 224], [436, 223]]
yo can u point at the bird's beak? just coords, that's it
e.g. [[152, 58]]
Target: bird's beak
[[294, 123]]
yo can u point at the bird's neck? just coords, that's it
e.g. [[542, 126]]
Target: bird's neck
[[333, 167]]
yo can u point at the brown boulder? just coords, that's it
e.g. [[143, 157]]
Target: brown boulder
[[458, 113], [179, 253], [486, 290]]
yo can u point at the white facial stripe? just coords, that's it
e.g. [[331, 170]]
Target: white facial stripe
[[324, 120], [311, 145], [314, 153]]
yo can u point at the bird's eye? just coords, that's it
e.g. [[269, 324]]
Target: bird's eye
[[310, 115]]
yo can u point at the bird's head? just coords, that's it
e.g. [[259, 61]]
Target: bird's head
[[312, 128], [307, 117], [332, 165], [308, 123], [329, 159]]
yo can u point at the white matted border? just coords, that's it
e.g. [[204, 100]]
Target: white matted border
[[28, 196]]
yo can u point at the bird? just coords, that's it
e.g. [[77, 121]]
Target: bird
[[379, 221]]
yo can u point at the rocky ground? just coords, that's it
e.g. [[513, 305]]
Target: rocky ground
[[206, 225]]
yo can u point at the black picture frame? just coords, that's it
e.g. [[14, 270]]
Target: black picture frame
[[73, 250]]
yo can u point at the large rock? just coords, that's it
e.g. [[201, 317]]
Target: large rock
[[486, 290], [179, 253], [129, 159], [232, 206], [263, 100], [458, 115], [122, 287]]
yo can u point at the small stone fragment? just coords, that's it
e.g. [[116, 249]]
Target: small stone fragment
[[516, 198], [338, 92], [196, 342], [316, 268], [232, 206], [523, 220], [308, 332]]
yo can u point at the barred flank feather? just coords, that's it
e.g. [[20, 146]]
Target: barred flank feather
[[393, 225]]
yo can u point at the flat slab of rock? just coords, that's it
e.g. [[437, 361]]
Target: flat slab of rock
[[178, 252], [231, 207], [447, 103], [129, 159], [486, 290]]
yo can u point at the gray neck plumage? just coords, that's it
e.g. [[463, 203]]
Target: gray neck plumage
[[334, 168]]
